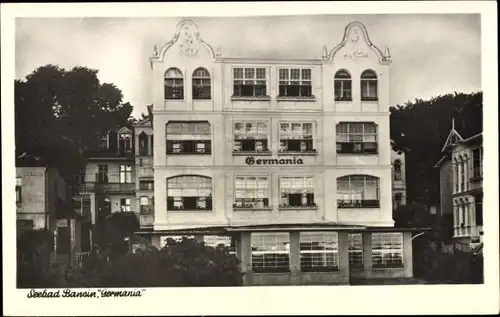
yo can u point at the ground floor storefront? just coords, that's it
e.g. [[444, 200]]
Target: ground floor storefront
[[311, 255]]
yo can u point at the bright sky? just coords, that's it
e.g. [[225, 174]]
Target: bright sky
[[432, 54]]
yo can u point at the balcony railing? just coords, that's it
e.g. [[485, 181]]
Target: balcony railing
[[118, 153], [372, 203], [108, 187], [146, 220]]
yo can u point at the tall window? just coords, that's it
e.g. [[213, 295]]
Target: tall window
[[357, 137], [187, 138], [319, 251], [297, 192], [143, 144], [147, 205], [355, 243], [479, 211], [125, 174], [251, 192], [369, 90], [270, 252], [19, 186], [343, 86], [189, 193], [456, 168], [477, 162], [174, 84], [125, 140], [201, 84], [462, 174], [102, 175], [125, 205], [146, 185], [358, 191], [295, 82], [397, 170], [251, 136], [387, 250], [249, 82], [296, 137]]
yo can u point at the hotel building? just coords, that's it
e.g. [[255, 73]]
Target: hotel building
[[288, 159], [461, 186]]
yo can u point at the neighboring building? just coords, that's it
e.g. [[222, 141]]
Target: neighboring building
[[398, 179], [287, 160], [461, 172], [43, 203]]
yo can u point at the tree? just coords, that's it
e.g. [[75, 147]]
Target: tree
[[420, 129], [59, 112]]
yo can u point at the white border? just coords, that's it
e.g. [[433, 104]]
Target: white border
[[412, 299]]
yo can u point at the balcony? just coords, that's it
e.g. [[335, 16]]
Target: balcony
[[145, 171], [146, 220], [108, 187], [107, 153]]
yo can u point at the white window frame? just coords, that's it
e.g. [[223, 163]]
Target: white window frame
[[125, 173], [201, 75], [353, 197], [270, 244], [395, 246], [184, 186], [367, 81], [177, 83], [291, 135], [308, 187], [359, 138], [301, 81], [253, 80], [127, 207], [259, 190], [196, 132], [330, 253], [342, 82], [255, 134]]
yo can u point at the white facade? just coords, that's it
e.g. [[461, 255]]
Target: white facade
[[354, 118]]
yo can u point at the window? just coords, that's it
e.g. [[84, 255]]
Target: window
[[456, 168], [343, 86], [296, 137], [125, 174], [355, 245], [125, 205], [103, 143], [189, 193], [295, 82], [369, 82], [80, 176], [479, 211], [174, 84], [357, 138], [251, 192], [143, 144], [270, 252], [147, 205], [477, 162], [201, 84], [221, 242], [251, 136], [146, 185], [358, 191], [297, 192], [319, 251], [398, 197], [397, 170], [102, 175], [462, 174], [125, 142], [249, 82], [387, 250], [189, 138], [19, 185]]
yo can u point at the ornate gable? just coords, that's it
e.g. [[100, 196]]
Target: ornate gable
[[453, 138]]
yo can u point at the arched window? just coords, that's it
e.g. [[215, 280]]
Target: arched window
[[358, 191], [343, 86], [397, 170], [201, 84], [189, 192], [369, 87], [174, 84], [188, 138], [143, 144]]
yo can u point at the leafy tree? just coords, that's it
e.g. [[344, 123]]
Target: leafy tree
[[420, 129], [58, 113]]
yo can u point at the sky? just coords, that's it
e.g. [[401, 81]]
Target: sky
[[432, 54]]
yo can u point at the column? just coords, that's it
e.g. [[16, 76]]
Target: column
[[295, 257], [407, 255], [343, 249], [245, 252], [367, 254]]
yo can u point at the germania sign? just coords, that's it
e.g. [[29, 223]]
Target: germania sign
[[250, 160]]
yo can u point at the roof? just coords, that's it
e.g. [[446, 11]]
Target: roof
[[441, 162]]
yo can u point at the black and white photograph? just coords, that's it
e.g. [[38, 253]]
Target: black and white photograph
[[228, 152]]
